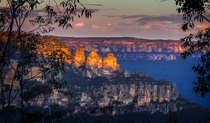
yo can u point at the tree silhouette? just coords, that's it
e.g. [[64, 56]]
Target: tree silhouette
[[19, 46], [194, 11]]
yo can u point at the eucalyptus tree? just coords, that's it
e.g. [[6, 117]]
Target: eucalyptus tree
[[21, 45], [194, 12]]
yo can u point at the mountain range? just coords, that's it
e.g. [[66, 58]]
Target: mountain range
[[129, 48]]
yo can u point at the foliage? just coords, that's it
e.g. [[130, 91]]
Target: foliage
[[19, 49], [39, 114], [14, 114], [202, 47], [35, 91], [195, 114], [62, 13], [195, 10], [172, 118]]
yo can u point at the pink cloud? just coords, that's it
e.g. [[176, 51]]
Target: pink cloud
[[95, 26], [80, 24], [202, 25], [109, 24], [101, 28], [156, 25]]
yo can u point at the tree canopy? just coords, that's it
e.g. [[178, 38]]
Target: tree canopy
[[19, 49], [196, 11]]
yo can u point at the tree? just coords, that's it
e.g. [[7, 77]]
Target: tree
[[17, 44], [193, 12]]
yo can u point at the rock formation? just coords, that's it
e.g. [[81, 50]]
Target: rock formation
[[93, 60], [138, 93], [79, 57], [94, 64], [132, 96], [110, 61]]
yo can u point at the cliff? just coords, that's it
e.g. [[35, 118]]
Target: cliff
[[118, 95], [129, 48], [93, 60], [94, 65], [110, 61], [115, 96], [79, 57], [147, 96], [138, 91]]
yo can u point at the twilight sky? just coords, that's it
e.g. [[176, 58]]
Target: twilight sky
[[133, 18], [149, 19]]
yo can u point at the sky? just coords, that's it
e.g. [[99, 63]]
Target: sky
[[149, 19]]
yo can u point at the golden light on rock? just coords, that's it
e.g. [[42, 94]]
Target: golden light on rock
[[110, 61], [79, 56], [94, 60]]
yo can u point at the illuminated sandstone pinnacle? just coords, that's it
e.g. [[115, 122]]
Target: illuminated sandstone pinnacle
[[79, 56], [94, 60], [110, 61]]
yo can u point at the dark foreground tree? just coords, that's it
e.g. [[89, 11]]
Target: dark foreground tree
[[193, 12], [18, 49]]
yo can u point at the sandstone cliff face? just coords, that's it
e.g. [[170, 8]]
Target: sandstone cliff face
[[94, 64], [110, 61], [142, 96], [93, 60], [137, 93], [130, 48], [79, 57]]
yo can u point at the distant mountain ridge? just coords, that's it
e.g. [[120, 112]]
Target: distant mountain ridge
[[128, 47]]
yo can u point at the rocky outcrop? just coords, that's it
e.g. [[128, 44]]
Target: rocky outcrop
[[79, 57], [94, 61], [110, 61], [94, 65], [131, 96], [117, 98]]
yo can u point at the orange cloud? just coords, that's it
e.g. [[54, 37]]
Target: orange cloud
[[202, 25], [81, 24]]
